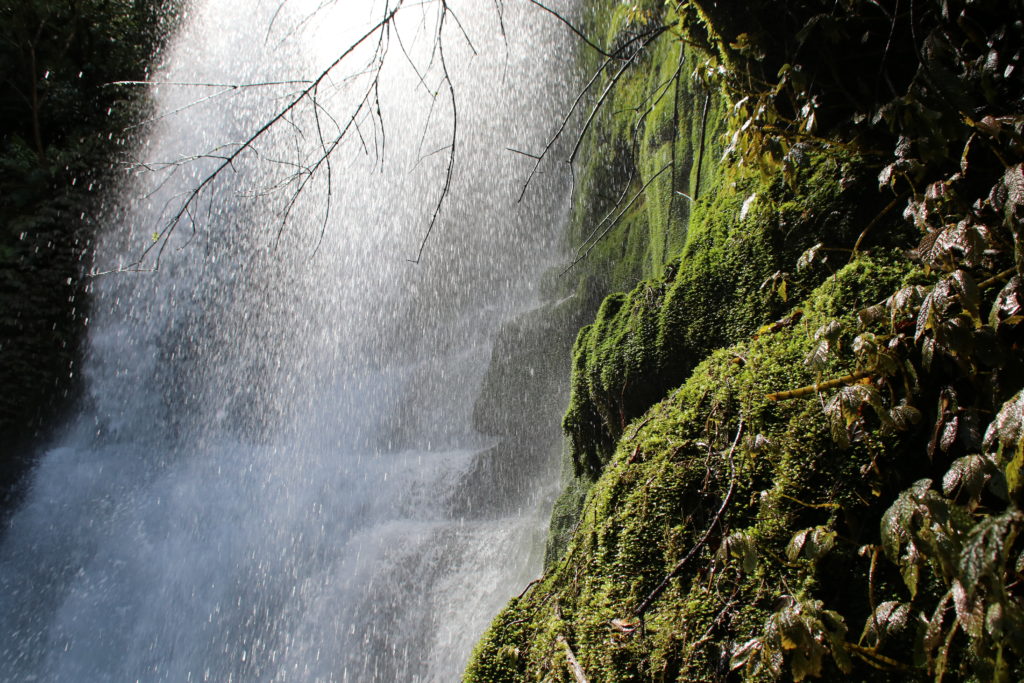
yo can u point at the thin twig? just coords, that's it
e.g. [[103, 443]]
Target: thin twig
[[575, 30], [875, 221], [660, 588], [455, 130], [614, 222]]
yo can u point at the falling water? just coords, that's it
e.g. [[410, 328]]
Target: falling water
[[266, 479]]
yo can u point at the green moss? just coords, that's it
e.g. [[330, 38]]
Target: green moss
[[649, 340], [658, 493]]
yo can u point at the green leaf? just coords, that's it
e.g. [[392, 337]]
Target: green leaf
[[811, 544], [1009, 303], [889, 618], [985, 549], [741, 546], [905, 416], [1005, 435], [933, 628], [969, 475], [969, 612], [969, 294], [817, 359], [810, 257], [871, 315]]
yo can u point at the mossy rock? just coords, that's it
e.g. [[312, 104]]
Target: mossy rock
[[717, 438]]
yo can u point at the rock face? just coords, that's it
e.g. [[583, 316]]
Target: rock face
[[794, 446], [61, 130]]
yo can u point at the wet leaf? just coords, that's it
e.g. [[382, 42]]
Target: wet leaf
[[1005, 436], [827, 337], [949, 432], [889, 618], [967, 610], [985, 550], [969, 475], [970, 296], [899, 518], [904, 303], [933, 629], [871, 315], [810, 257], [741, 546], [905, 416], [744, 653], [1009, 303], [817, 359], [995, 620]]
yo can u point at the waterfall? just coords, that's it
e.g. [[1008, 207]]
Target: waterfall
[[266, 477]]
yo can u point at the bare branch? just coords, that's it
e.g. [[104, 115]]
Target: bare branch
[[455, 128], [614, 222], [281, 115], [600, 50]]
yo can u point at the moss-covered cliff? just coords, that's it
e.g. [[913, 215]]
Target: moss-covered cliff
[[61, 126], [796, 448]]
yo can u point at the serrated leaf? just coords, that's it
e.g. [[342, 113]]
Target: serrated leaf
[[865, 344], [927, 353], [985, 548], [933, 629], [902, 521], [926, 315], [905, 416], [830, 331], [1005, 436], [1008, 427], [995, 621], [871, 315], [905, 302], [968, 476], [889, 618], [910, 571], [949, 433], [1009, 303], [817, 359], [819, 543], [741, 546], [970, 295], [743, 654], [933, 249], [1013, 182]]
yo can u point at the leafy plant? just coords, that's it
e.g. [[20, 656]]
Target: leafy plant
[[802, 631]]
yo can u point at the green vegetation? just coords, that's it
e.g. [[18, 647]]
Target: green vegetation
[[61, 126], [797, 449]]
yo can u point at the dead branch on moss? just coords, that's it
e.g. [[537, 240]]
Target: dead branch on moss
[[528, 587], [577, 671], [875, 221], [819, 387], [660, 588]]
